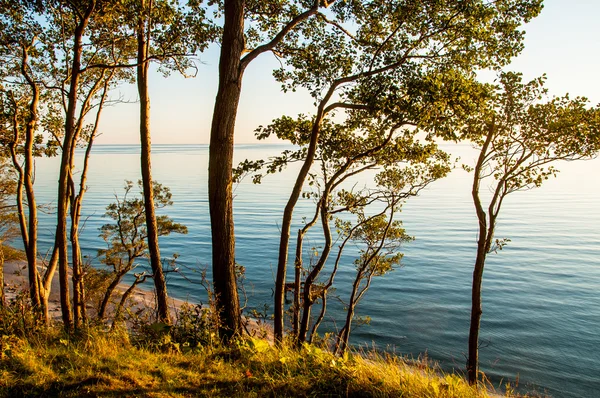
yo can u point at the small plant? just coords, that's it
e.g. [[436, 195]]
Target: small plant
[[194, 327]]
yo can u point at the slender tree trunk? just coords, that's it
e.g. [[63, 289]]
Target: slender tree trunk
[[297, 284], [65, 174], [476, 311], [126, 295], [220, 170], [344, 335], [308, 299], [482, 247], [109, 291], [31, 246], [160, 282], [24, 226], [319, 319], [46, 284], [77, 277], [286, 225]]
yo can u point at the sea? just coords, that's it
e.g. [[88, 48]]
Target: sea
[[540, 329]]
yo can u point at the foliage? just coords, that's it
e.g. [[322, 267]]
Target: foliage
[[126, 236], [519, 138], [17, 318], [100, 363], [525, 135]]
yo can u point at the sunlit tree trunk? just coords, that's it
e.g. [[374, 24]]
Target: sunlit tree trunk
[[65, 174], [220, 170], [160, 282]]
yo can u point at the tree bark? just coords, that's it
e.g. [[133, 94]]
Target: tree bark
[[286, 225], [109, 290], [308, 298], [28, 227], [160, 283], [31, 246], [220, 170], [482, 247], [476, 311], [65, 174]]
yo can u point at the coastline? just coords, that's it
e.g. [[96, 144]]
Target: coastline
[[15, 282]]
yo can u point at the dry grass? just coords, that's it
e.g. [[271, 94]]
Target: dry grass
[[108, 364]]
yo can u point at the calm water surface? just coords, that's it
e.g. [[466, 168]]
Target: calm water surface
[[541, 315]]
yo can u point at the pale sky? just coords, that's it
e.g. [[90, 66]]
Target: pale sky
[[563, 42]]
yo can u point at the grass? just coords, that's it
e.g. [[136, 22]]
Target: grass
[[37, 361], [109, 364]]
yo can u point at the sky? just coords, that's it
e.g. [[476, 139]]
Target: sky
[[563, 42]]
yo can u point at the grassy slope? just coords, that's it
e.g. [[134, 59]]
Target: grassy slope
[[102, 364]]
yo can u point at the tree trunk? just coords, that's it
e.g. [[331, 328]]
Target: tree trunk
[[286, 225], [65, 174], [24, 227], [308, 299], [482, 246], [23, 176], [109, 290], [138, 279], [476, 311], [160, 282], [46, 284], [220, 170], [31, 246], [77, 277], [297, 284]]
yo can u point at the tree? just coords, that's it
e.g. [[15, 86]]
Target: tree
[[388, 144], [379, 237], [126, 237], [270, 24], [398, 55], [162, 22], [23, 97], [326, 49], [519, 137]]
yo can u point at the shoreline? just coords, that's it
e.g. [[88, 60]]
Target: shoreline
[[16, 282]]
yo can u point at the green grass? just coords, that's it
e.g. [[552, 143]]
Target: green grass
[[108, 364]]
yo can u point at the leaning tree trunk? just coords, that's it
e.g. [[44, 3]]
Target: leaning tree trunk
[[31, 247], [220, 170], [160, 282], [46, 284], [108, 293]]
